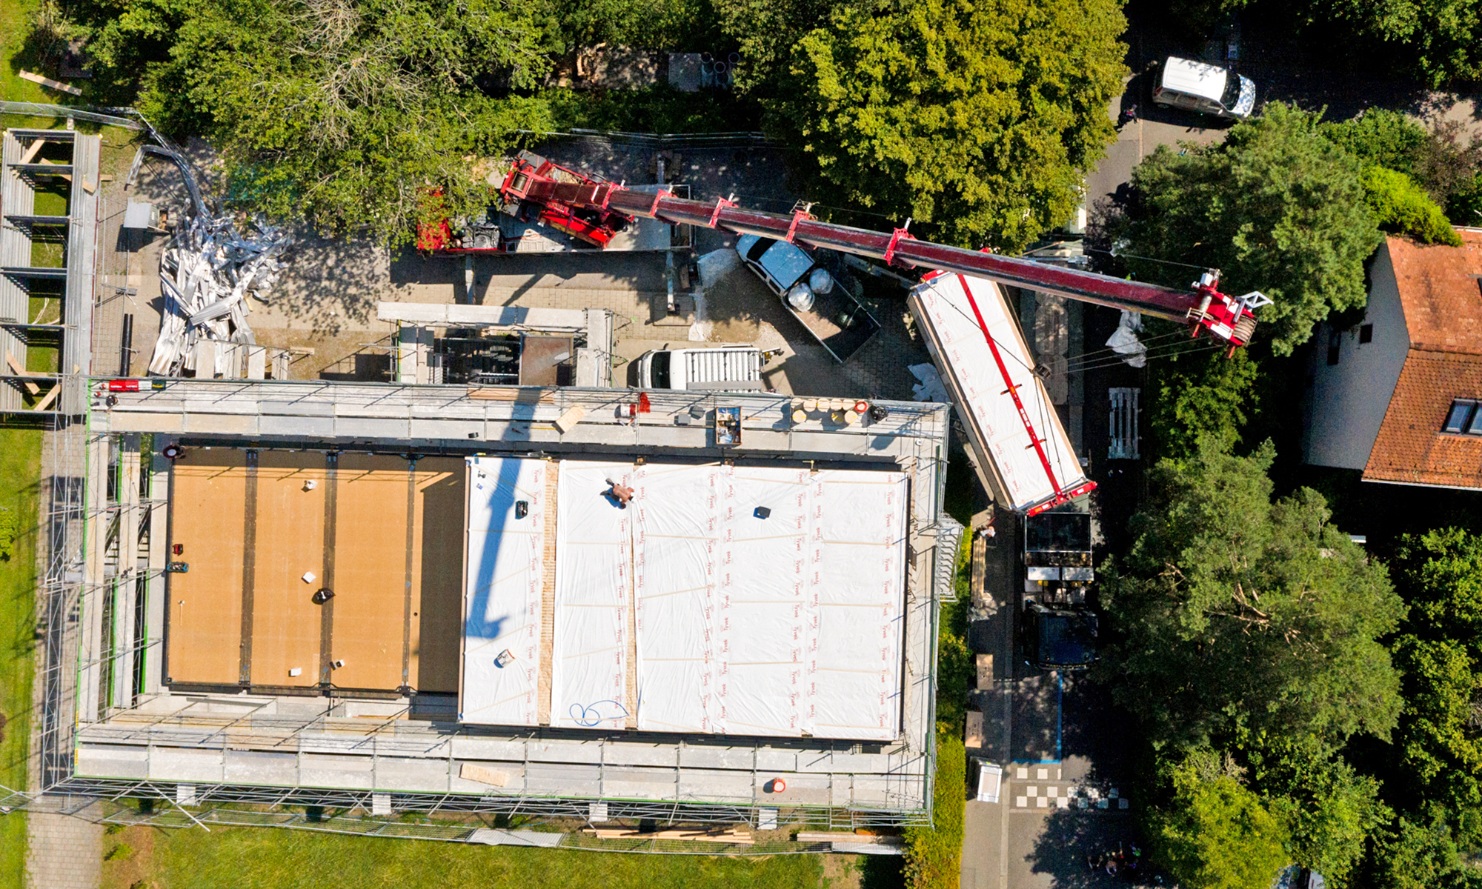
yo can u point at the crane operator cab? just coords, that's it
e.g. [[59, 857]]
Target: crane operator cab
[[1207, 89]]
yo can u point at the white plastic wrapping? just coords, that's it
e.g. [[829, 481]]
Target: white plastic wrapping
[[780, 623], [503, 586], [592, 598], [982, 395]]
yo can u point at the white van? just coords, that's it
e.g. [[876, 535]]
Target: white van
[[728, 369], [1207, 89]]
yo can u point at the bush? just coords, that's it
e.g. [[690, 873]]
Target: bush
[[934, 854], [1402, 207], [9, 528], [1381, 137]]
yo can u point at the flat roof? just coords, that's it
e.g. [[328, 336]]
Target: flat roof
[[723, 600], [251, 524]]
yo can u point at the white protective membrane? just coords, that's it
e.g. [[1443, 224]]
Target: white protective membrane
[[858, 587], [982, 395], [784, 625], [503, 586], [593, 597]]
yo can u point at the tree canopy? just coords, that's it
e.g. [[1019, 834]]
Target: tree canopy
[[1240, 613], [1276, 207], [1442, 39], [1214, 833], [343, 113], [1440, 654], [978, 121]]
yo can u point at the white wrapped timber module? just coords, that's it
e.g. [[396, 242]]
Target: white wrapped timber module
[[1018, 443]]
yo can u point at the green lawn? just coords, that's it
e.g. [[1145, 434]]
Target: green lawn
[[269, 858], [20, 471], [15, 24]]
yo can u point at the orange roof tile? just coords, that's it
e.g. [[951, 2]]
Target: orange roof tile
[[1410, 447], [1441, 293]]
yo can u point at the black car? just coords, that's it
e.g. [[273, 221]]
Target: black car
[[1058, 638]]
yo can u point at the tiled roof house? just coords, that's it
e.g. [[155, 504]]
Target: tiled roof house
[[1400, 394]]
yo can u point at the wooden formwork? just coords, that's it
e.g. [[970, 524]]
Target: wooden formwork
[[384, 534], [289, 538], [437, 573], [208, 497]]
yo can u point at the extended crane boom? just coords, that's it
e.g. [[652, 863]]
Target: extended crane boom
[[1226, 318]]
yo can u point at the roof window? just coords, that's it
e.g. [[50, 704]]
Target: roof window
[[1464, 417]]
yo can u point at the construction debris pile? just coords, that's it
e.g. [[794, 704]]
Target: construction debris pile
[[205, 274]]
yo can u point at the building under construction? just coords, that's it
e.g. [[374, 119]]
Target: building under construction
[[426, 598]]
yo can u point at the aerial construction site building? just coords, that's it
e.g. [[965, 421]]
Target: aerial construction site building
[[427, 598]]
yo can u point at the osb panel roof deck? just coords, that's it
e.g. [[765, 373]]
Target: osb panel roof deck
[[1441, 293]]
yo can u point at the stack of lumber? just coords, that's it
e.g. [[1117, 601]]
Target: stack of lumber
[[733, 835]]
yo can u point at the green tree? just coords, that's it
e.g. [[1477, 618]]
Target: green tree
[[1416, 855], [1402, 207], [1240, 613], [1441, 39], [673, 25], [1328, 808], [1276, 207], [978, 121], [1201, 395], [344, 112], [766, 31], [1440, 658], [1214, 833]]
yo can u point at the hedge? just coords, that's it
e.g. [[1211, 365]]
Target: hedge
[[934, 854]]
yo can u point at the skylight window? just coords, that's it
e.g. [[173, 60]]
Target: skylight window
[[1463, 418]]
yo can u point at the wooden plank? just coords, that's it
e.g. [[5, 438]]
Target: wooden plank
[[369, 572], [50, 397], [493, 777], [985, 671], [32, 151], [973, 734], [437, 574], [65, 177], [49, 83], [19, 371], [208, 522], [289, 542], [831, 836]]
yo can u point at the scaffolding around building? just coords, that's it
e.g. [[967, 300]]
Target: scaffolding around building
[[111, 730]]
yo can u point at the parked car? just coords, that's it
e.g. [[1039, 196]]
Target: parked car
[[728, 368], [1058, 638], [1205, 88], [839, 322]]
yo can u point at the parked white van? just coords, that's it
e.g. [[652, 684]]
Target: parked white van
[[726, 369], [1207, 89]]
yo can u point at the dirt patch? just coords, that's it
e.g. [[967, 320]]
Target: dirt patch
[[128, 858], [839, 872]]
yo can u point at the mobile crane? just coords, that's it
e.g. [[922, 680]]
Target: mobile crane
[[1203, 308]]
